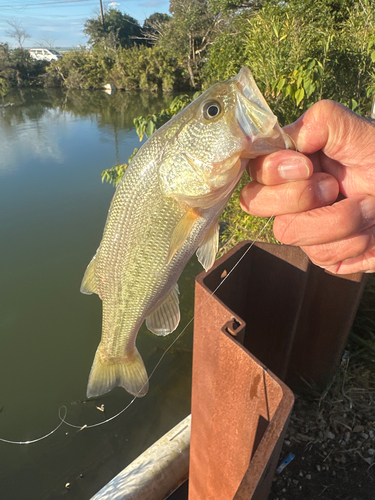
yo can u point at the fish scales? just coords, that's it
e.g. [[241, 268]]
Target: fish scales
[[165, 208]]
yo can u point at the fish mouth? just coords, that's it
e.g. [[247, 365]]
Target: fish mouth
[[255, 117]]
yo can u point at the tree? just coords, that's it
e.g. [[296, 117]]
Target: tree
[[18, 32], [154, 27], [118, 30], [339, 10], [156, 18], [189, 33], [235, 5]]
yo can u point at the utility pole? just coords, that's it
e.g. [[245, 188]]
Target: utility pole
[[101, 12]]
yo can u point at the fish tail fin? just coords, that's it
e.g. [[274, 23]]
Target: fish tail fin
[[128, 372]]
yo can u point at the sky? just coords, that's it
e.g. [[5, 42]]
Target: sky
[[60, 22]]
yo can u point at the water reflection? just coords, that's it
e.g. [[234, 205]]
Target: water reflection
[[119, 108], [53, 206], [30, 120]]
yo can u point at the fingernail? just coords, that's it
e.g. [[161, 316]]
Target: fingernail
[[368, 208], [327, 190], [294, 169]]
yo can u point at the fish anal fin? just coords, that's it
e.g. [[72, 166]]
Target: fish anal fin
[[128, 372], [209, 246], [182, 231], [166, 317], [88, 285]]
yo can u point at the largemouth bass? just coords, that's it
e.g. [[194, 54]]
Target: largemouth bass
[[166, 207]]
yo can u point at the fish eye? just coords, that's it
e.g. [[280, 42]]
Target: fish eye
[[211, 109]]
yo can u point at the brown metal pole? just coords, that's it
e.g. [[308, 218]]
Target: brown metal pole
[[239, 409], [295, 318]]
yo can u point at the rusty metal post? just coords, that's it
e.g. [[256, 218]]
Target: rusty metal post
[[239, 410], [298, 316], [295, 319]]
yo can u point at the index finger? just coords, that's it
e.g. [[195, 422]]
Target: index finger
[[280, 167]]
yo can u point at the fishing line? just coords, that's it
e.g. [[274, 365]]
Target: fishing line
[[211, 295], [180, 334], [42, 437], [85, 426]]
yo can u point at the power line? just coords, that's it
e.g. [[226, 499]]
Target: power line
[[57, 3]]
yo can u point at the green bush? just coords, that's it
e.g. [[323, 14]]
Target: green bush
[[18, 69], [300, 52], [82, 69], [145, 68]]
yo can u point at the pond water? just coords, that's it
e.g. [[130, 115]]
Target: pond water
[[53, 206]]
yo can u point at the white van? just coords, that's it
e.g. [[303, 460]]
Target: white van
[[42, 54]]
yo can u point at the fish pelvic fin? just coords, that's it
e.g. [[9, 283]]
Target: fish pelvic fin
[[108, 372], [88, 285], [166, 317], [209, 246]]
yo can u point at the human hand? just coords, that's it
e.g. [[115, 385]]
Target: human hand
[[329, 209]]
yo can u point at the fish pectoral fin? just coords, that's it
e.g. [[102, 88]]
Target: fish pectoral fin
[[182, 231], [209, 246], [166, 317], [88, 285], [128, 372]]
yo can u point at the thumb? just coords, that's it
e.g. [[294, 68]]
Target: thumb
[[341, 134]]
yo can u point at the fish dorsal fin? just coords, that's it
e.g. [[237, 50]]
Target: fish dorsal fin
[[209, 246], [88, 285], [182, 231], [166, 317]]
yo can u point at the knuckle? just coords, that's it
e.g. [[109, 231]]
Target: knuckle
[[323, 255], [285, 230]]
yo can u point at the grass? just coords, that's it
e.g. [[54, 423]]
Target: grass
[[361, 341], [236, 225], [348, 400]]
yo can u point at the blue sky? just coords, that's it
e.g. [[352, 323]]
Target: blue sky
[[61, 21]]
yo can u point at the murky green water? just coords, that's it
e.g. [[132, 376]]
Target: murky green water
[[53, 206]]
